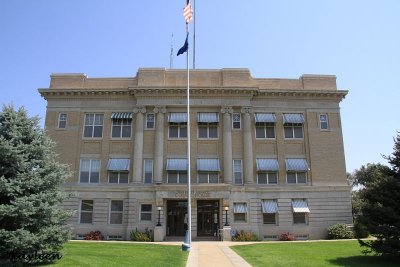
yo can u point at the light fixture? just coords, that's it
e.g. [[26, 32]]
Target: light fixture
[[226, 208], [159, 208]]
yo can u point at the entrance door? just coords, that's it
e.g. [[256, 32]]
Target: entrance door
[[176, 217], [207, 217]]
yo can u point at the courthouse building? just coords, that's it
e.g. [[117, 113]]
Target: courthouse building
[[266, 154]]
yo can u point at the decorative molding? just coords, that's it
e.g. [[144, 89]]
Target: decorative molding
[[160, 109], [227, 109], [139, 109], [246, 110]]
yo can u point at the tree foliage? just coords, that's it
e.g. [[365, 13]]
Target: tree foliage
[[379, 209], [30, 219]]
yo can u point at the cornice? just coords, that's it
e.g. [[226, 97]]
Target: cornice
[[50, 93]]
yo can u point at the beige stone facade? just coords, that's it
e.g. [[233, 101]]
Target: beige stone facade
[[271, 150]]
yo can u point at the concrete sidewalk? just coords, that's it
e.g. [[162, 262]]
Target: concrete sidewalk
[[211, 253]]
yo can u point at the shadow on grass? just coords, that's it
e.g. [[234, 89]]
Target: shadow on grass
[[365, 261]]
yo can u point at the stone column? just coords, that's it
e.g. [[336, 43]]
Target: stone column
[[159, 144], [247, 146], [138, 145], [227, 144]]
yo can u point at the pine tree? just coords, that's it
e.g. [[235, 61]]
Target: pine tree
[[31, 222]]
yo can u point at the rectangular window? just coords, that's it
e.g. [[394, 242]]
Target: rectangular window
[[177, 130], [270, 211], [62, 120], [269, 218], [300, 218], [296, 177], [239, 212], [177, 177], [323, 122], [267, 177], [116, 211], [293, 131], [208, 177], [238, 171], [146, 212], [208, 130], [86, 215], [148, 171], [265, 130], [118, 177], [150, 121], [89, 171], [121, 128], [93, 125], [236, 121]]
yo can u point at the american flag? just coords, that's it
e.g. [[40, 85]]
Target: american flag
[[188, 12]]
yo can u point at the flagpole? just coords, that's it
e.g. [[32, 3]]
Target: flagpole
[[194, 34], [188, 145]]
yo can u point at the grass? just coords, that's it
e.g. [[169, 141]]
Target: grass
[[335, 253], [121, 254]]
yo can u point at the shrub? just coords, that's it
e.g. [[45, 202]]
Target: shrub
[[94, 235], [286, 236], [141, 236], [340, 231], [244, 236], [360, 230]]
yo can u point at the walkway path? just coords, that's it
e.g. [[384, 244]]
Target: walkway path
[[211, 253]]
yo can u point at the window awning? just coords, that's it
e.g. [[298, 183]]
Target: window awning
[[300, 205], [207, 117], [293, 118], [208, 165], [265, 117], [269, 206], [239, 207], [177, 165], [177, 117], [267, 165], [296, 165], [118, 164], [121, 115]]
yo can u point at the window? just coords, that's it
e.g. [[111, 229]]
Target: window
[[177, 177], [267, 171], [208, 170], [118, 170], [267, 178], [236, 121], [296, 171], [86, 215], [300, 218], [116, 211], [207, 125], [89, 171], [62, 120], [265, 130], [148, 171], [118, 177], [177, 130], [237, 171], [121, 128], [300, 211], [296, 177], [149, 121], [177, 171], [93, 126], [270, 211], [239, 212], [208, 177], [145, 212], [293, 125], [323, 122]]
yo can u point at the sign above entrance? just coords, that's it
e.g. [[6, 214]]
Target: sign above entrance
[[184, 194]]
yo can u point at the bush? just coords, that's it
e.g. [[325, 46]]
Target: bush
[[94, 235], [244, 236], [286, 236], [360, 230], [141, 236], [340, 231]]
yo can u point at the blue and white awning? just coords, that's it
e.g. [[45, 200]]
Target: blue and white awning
[[239, 207], [269, 206], [265, 117], [177, 164], [121, 115], [211, 165], [177, 117], [293, 118], [118, 164], [300, 205], [207, 117], [296, 165], [267, 165]]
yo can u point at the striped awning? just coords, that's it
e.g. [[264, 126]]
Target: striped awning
[[269, 206], [265, 117], [207, 117], [239, 207], [267, 165], [118, 164], [177, 164], [177, 117], [296, 165], [121, 115], [300, 205], [293, 118], [211, 165]]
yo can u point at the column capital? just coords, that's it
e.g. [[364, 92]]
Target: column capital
[[160, 109], [139, 109], [246, 110], [226, 109]]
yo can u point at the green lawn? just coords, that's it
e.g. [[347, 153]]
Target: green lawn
[[121, 254], [335, 253]]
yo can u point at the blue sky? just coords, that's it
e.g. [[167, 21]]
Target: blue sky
[[358, 41]]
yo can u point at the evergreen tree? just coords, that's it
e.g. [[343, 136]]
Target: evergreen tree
[[380, 203], [31, 223]]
